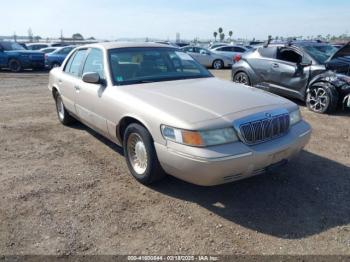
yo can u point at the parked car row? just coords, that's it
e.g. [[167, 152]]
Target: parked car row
[[16, 58], [313, 72]]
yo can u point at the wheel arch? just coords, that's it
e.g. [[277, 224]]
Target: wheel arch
[[125, 122]]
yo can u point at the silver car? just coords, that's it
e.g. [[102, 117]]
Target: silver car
[[207, 58], [229, 51], [171, 116]]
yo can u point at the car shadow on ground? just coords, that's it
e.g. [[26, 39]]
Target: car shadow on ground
[[107, 142], [310, 195]]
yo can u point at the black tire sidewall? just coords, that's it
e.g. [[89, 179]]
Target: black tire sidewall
[[153, 167], [67, 119], [19, 68], [242, 73], [332, 97], [221, 62]]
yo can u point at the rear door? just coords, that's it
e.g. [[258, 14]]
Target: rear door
[[261, 62], [204, 57], [69, 80]]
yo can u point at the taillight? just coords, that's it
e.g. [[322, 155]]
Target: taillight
[[237, 58]]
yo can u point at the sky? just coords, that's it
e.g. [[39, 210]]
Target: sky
[[162, 19]]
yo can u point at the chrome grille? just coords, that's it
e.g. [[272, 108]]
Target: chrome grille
[[259, 131]]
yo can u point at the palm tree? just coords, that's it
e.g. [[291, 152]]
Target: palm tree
[[220, 30], [230, 33], [222, 37], [215, 35]]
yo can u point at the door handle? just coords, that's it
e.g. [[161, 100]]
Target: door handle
[[77, 88], [59, 81], [275, 65]]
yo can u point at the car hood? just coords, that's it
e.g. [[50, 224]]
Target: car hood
[[197, 100], [342, 52], [340, 61]]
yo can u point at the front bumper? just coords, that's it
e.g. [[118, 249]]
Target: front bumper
[[226, 163]]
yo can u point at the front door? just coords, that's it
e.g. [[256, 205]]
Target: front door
[[288, 75], [90, 97]]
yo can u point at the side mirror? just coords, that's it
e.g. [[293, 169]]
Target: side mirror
[[305, 63], [92, 78]]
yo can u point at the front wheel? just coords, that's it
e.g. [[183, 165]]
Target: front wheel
[[242, 78], [322, 98], [218, 64], [141, 155]]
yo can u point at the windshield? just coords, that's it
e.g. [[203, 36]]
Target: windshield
[[9, 46], [144, 65], [320, 52]]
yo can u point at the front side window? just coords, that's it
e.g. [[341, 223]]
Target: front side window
[[94, 63], [74, 63], [144, 65], [289, 55]]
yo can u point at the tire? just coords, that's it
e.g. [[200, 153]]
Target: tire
[[15, 66], [241, 78], [141, 156], [218, 64], [63, 115], [322, 98]]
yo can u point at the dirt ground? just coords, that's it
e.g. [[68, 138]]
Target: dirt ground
[[67, 190]]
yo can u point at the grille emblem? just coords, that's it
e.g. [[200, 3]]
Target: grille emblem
[[265, 128]]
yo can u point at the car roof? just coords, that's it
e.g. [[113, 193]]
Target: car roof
[[114, 45]]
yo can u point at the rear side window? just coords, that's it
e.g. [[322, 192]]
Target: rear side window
[[75, 62], [268, 52], [94, 63], [239, 49], [65, 51]]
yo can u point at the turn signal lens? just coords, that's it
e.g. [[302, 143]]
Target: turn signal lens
[[192, 138], [200, 138]]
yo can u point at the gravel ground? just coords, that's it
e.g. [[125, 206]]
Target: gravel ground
[[68, 191]]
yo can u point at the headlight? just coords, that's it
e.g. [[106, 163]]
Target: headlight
[[294, 117], [200, 138]]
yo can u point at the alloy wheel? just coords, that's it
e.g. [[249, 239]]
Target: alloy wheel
[[318, 99], [137, 153], [242, 79], [60, 107], [217, 64]]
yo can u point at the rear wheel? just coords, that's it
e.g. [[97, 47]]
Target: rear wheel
[[141, 155], [218, 64], [242, 78], [322, 98], [63, 115], [15, 66]]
